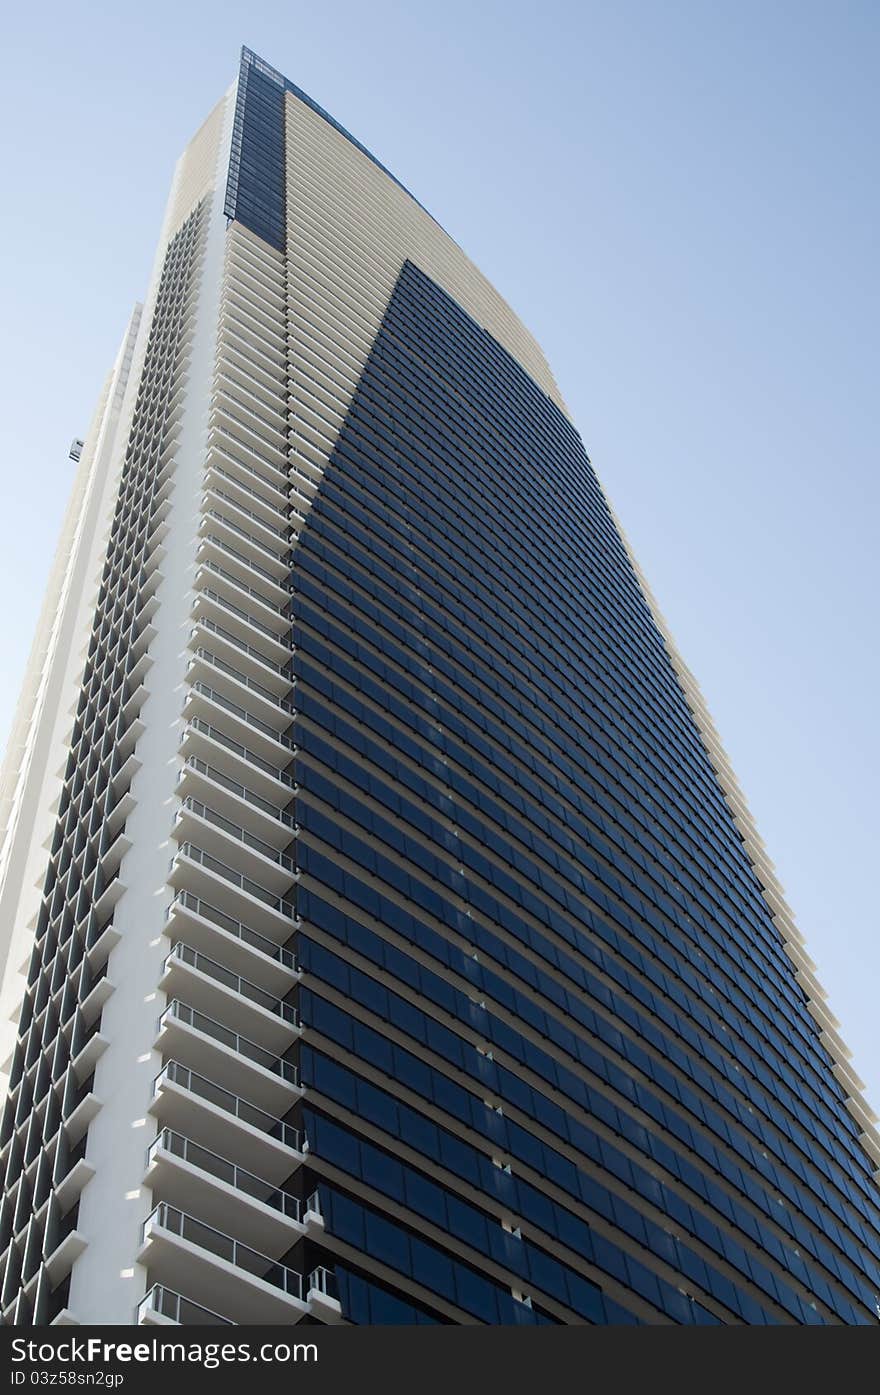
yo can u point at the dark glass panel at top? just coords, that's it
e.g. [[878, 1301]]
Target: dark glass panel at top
[[255, 181]]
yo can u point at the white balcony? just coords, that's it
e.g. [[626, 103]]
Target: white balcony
[[275, 539], [244, 950], [237, 802], [245, 490], [242, 623], [241, 724], [218, 1052], [194, 870], [242, 303], [245, 426], [241, 563], [229, 677], [232, 844], [322, 1295], [219, 1272], [217, 1117], [252, 660], [215, 991], [260, 476], [199, 1181], [216, 522], [267, 422], [238, 760], [251, 320], [219, 440], [236, 327], [251, 599], [162, 1307]]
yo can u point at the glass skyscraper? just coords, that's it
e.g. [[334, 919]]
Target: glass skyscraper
[[386, 937]]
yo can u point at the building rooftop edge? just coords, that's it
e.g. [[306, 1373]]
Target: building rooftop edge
[[251, 59]]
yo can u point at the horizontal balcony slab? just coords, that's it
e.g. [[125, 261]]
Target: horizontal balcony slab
[[120, 812], [216, 522], [93, 1004], [241, 948], [103, 940], [244, 1216], [265, 479], [274, 748], [220, 440], [105, 903], [80, 1118], [235, 683], [65, 1317], [110, 860], [195, 985], [233, 1070], [239, 305], [216, 1282], [244, 626], [273, 917], [63, 1257], [71, 1186], [191, 826], [247, 596], [247, 569], [206, 742], [163, 1307], [245, 314], [237, 328], [211, 786], [250, 659], [275, 539], [244, 490], [225, 1122], [124, 775], [86, 1059]]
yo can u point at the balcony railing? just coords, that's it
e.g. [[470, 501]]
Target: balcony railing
[[243, 715], [217, 1243], [206, 657], [229, 874], [323, 1280], [183, 954], [176, 1308], [244, 752], [242, 558], [268, 504], [281, 611], [265, 806], [211, 625], [232, 1104], [234, 830], [243, 615], [280, 477], [177, 1011], [282, 534], [252, 938], [246, 536], [225, 1171]]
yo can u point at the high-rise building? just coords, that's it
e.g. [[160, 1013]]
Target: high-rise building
[[386, 937]]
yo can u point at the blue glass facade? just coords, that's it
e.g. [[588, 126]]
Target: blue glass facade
[[554, 1047]]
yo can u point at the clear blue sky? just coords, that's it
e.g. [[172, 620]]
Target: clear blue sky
[[681, 201]]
